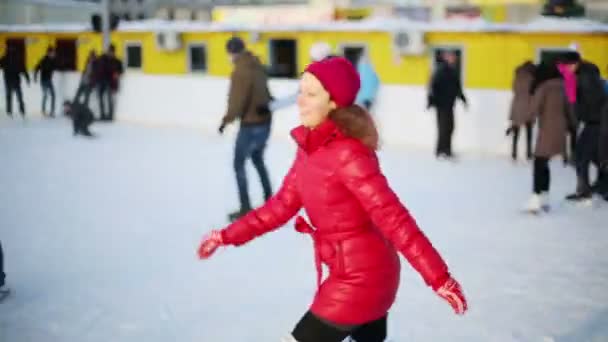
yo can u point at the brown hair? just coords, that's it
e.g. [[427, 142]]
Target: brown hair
[[356, 122]]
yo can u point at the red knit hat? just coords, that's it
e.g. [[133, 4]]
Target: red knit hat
[[339, 77]]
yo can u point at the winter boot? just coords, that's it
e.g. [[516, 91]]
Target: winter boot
[[534, 204], [583, 198]]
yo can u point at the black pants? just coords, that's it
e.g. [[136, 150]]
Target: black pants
[[251, 143], [571, 153], [445, 130], [105, 95], [83, 89], [2, 275], [587, 152], [11, 88], [541, 175], [312, 329], [528, 141]]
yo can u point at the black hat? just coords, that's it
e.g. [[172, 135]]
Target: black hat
[[235, 45]]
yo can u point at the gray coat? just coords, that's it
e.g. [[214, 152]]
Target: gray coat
[[520, 104], [549, 104]]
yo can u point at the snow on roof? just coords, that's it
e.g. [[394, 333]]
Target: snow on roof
[[64, 27], [541, 24]]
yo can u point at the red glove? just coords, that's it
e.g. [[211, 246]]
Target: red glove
[[452, 293], [210, 243]]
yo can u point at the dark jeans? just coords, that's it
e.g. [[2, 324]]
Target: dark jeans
[[528, 127], [11, 88], [542, 175], [83, 89], [587, 152], [312, 329], [445, 128], [572, 153], [105, 94], [251, 143], [47, 88], [2, 275]]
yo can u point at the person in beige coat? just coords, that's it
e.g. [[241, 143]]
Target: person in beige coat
[[549, 106], [520, 107]]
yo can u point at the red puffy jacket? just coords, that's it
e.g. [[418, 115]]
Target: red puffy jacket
[[358, 220]]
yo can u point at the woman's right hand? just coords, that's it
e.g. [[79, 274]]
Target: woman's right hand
[[210, 243]]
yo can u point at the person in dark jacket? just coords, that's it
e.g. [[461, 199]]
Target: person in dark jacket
[[520, 107], [87, 80], [46, 67], [357, 222], [13, 69], [108, 69], [603, 154], [590, 99], [445, 88], [4, 290], [81, 116], [248, 100]]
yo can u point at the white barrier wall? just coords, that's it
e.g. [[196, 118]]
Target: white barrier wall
[[200, 101]]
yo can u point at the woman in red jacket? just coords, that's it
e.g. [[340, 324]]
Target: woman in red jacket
[[359, 223]]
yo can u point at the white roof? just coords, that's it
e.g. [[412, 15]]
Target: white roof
[[541, 24]]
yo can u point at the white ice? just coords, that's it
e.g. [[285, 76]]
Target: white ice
[[100, 237]]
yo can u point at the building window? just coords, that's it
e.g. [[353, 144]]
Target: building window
[[438, 53], [283, 58], [17, 45], [353, 52], [550, 55], [133, 55], [66, 54], [197, 57]]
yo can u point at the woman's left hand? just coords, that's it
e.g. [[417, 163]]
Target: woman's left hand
[[452, 293]]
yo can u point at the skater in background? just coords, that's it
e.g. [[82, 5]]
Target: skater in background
[[320, 51], [13, 69], [369, 83], [87, 80], [589, 101], [548, 104], [81, 116], [603, 153], [360, 223], [109, 69], [445, 88], [520, 108], [46, 67], [248, 100], [4, 290]]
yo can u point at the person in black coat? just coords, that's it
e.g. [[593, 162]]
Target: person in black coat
[[445, 88], [108, 69], [81, 116], [46, 67], [590, 99], [2, 275], [603, 153], [13, 69]]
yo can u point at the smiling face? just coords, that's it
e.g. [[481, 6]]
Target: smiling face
[[314, 102]]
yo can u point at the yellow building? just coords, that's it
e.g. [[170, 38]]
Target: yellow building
[[489, 52]]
